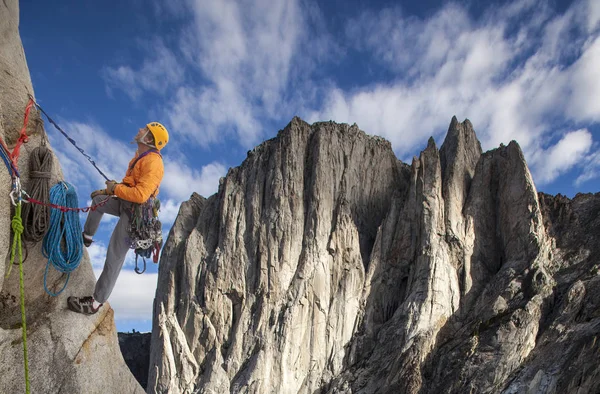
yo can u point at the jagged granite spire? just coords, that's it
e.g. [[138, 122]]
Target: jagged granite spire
[[459, 155], [325, 265]]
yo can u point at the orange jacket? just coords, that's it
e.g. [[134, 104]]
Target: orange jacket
[[142, 178]]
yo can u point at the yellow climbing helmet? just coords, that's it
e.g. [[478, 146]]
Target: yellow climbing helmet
[[160, 134]]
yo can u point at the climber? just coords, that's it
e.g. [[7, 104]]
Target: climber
[[141, 182]]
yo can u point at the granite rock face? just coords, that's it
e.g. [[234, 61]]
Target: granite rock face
[[68, 352], [325, 265], [287, 238]]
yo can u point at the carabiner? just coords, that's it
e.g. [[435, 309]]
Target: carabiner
[[15, 194], [12, 197]]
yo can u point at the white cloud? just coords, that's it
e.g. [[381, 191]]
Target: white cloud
[[252, 58], [207, 115], [133, 295], [511, 78], [245, 49], [180, 181], [168, 212], [591, 168], [585, 85], [159, 71], [564, 155], [236, 43], [593, 14], [514, 73]]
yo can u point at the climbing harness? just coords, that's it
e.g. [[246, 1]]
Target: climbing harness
[[63, 244], [145, 231]]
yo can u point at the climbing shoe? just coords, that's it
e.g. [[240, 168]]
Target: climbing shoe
[[87, 240], [83, 305]]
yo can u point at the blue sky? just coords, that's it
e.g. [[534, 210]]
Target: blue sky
[[224, 76]]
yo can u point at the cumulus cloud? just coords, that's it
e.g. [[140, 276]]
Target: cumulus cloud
[[245, 49], [133, 295], [591, 168], [511, 73], [592, 11], [245, 62], [584, 81], [181, 181], [168, 212], [207, 114], [564, 155]]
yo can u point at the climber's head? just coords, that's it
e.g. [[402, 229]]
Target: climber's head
[[154, 135]]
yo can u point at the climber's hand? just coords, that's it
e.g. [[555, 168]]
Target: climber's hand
[[101, 192], [110, 187]]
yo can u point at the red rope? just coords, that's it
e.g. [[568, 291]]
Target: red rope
[[14, 155], [23, 137], [67, 209]]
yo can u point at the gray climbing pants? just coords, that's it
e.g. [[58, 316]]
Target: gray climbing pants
[[117, 246]]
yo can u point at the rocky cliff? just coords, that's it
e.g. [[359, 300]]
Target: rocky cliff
[[68, 352], [325, 265], [135, 347]]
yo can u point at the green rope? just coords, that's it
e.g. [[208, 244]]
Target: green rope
[[17, 227]]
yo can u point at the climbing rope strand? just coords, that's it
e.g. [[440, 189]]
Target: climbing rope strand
[[66, 209], [63, 245], [23, 135], [71, 140], [6, 157], [17, 227], [11, 159]]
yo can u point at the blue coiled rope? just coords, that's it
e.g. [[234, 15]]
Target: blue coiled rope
[[63, 244]]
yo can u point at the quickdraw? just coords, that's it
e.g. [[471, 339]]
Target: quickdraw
[[145, 232]]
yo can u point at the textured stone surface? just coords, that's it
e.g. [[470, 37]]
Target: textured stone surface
[[325, 265], [287, 238], [68, 352], [135, 348]]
